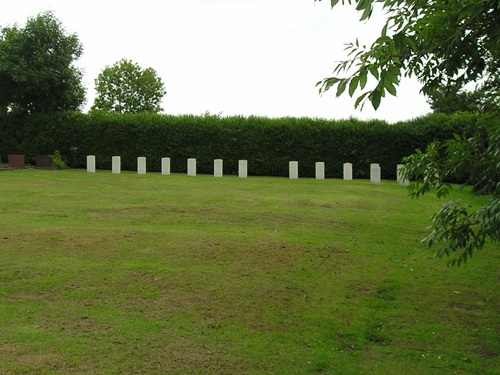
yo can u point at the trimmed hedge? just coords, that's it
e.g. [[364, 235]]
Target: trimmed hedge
[[268, 144]]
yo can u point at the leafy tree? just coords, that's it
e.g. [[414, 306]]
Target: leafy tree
[[36, 67], [126, 88], [485, 98], [456, 228], [440, 42], [453, 100], [445, 44]]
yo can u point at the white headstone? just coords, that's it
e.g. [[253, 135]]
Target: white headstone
[[116, 164], [191, 167], [293, 170], [165, 166], [347, 171], [242, 169], [320, 170], [91, 163], [218, 168], [141, 165], [375, 172], [401, 181]]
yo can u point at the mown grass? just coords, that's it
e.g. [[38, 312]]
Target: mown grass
[[106, 274]]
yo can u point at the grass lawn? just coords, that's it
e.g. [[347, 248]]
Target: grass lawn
[[152, 274]]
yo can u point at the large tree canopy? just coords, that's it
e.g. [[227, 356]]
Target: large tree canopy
[[36, 67], [126, 88], [442, 43]]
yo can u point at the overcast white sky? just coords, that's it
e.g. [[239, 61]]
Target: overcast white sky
[[235, 57]]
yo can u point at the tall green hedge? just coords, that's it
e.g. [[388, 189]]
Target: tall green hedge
[[268, 144]]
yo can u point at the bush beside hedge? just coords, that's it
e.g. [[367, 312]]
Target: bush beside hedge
[[268, 144]]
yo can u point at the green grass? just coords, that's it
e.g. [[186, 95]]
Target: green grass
[[107, 274]]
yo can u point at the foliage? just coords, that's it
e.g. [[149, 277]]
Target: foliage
[[458, 229], [36, 67], [127, 88], [485, 98], [441, 43], [451, 101], [58, 161]]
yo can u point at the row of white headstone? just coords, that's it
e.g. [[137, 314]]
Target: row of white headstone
[[375, 170]]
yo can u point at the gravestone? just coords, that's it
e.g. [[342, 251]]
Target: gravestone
[[141, 165], [320, 170], [347, 171], [293, 170], [44, 161], [242, 168], [218, 168], [116, 164], [401, 181], [91, 163], [375, 172], [165, 166], [191, 166], [16, 161]]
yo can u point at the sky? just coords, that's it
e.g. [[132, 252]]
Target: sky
[[227, 57]]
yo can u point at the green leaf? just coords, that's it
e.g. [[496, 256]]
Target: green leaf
[[353, 85], [366, 14], [374, 71], [384, 30], [341, 87], [399, 42], [383, 39], [363, 77], [375, 97], [389, 86], [389, 80], [327, 83], [360, 99]]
